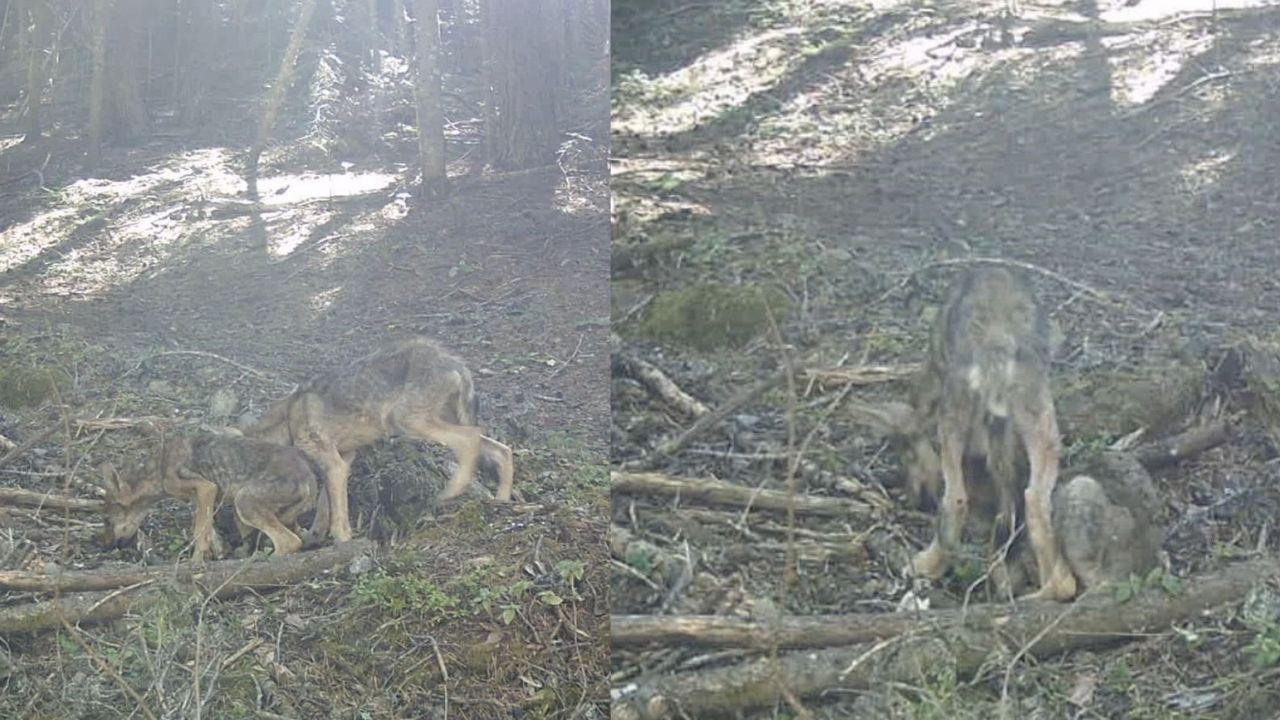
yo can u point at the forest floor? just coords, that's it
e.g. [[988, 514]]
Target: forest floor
[[154, 288], [845, 157]]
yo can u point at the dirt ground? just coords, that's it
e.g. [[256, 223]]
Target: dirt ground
[[850, 155], [152, 289]]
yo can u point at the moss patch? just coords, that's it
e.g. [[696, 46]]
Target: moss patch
[[709, 316], [22, 387]]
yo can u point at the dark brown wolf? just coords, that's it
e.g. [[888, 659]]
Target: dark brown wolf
[[267, 484], [985, 388], [411, 387]]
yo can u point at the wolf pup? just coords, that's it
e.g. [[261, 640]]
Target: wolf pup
[[267, 484]]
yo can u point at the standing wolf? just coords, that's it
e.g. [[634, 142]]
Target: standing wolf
[[985, 384], [411, 387]]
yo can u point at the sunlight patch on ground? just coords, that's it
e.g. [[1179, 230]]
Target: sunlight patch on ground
[[122, 249], [1263, 52], [291, 228], [193, 174], [116, 257], [1138, 76], [1200, 174], [24, 241], [1161, 9], [935, 56], [712, 85], [397, 209], [323, 299], [290, 189], [829, 123]]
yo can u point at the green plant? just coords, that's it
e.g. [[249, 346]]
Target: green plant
[[1156, 578], [397, 594], [1264, 650]]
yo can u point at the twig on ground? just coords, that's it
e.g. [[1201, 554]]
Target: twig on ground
[[748, 394], [1086, 290], [107, 670], [120, 423], [1026, 647], [862, 375], [716, 491], [659, 384], [19, 496], [1211, 77], [201, 353], [26, 445], [572, 357]]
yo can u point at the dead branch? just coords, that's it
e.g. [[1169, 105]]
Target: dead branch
[[658, 383], [1180, 447], [675, 445], [723, 493], [788, 632], [967, 644], [224, 579], [19, 496], [704, 422], [26, 445], [120, 423], [1085, 290], [201, 353], [863, 375]]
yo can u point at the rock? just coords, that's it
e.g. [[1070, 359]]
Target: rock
[[360, 564], [163, 388], [223, 403]]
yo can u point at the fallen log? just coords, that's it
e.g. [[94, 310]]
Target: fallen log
[[716, 491], [1180, 447], [807, 631], [18, 496], [658, 383], [1042, 629], [136, 587]]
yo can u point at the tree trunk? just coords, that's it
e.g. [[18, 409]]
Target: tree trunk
[[34, 36], [275, 98], [200, 54], [427, 94], [97, 86], [127, 110], [522, 41]]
